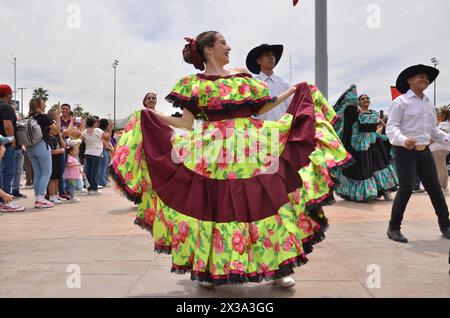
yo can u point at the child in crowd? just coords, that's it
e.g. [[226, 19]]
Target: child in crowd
[[57, 147], [73, 172]]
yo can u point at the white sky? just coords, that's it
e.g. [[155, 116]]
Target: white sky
[[146, 36]]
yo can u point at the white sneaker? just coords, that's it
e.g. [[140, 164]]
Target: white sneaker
[[55, 201], [286, 282], [44, 204], [27, 187], [11, 207], [73, 200], [94, 192], [100, 187]]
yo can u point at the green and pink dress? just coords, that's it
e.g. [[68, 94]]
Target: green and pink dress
[[237, 199]]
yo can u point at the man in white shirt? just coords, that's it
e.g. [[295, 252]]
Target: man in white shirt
[[411, 127], [262, 60]]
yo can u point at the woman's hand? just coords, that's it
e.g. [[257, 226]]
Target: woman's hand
[[6, 197], [2, 151], [293, 89]]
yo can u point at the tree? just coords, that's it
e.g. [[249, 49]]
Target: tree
[[41, 93], [78, 111], [54, 107]]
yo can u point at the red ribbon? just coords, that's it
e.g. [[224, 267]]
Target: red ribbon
[[196, 57]]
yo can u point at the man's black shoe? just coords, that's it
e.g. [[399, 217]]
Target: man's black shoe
[[396, 236], [18, 195], [446, 232]]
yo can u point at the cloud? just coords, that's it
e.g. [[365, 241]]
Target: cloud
[[146, 36]]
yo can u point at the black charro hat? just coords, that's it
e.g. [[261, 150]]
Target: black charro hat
[[402, 80], [255, 53]]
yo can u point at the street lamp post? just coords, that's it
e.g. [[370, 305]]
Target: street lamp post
[[21, 89], [115, 64], [435, 63], [15, 76], [322, 47]]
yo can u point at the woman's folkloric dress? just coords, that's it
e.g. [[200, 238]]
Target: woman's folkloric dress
[[372, 173], [238, 199]]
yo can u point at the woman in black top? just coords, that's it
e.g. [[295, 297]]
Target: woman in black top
[[39, 153]]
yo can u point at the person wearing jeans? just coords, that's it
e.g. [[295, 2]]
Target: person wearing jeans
[[8, 168], [28, 171], [18, 174], [104, 161], [8, 121], [92, 164], [40, 153], [93, 138], [41, 159], [410, 129], [103, 168]]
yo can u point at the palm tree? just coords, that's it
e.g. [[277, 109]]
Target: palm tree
[[41, 93], [78, 111]]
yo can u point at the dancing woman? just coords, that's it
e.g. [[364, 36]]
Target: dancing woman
[[238, 199]]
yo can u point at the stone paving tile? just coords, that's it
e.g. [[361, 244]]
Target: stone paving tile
[[117, 258]]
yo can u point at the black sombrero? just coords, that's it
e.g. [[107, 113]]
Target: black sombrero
[[402, 80], [255, 53]]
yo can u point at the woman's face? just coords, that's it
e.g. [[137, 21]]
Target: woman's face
[[364, 102], [75, 152], [150, 101], [220, 52]]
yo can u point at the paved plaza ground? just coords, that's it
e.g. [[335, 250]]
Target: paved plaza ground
[[116, 258]]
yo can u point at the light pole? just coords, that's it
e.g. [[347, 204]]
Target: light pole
[[14, 62], [21, 89], [115, 64], [435, 63], [322, 47]]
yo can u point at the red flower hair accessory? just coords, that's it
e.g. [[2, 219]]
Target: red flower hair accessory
[[197, 59]]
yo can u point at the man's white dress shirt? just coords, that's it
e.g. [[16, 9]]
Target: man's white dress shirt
[[277, 85], [412, 117]]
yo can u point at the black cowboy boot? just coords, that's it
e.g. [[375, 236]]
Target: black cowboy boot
[[446, 232], [396, 236]]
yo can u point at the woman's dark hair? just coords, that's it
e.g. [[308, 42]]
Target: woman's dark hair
[[70, 149], [35, 105], [195, 49], [66, 105], [90, 122], [104, 123], [361, 96]]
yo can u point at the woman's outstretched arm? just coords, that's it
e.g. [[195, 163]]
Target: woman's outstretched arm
[[185, 122], [281, 98]]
